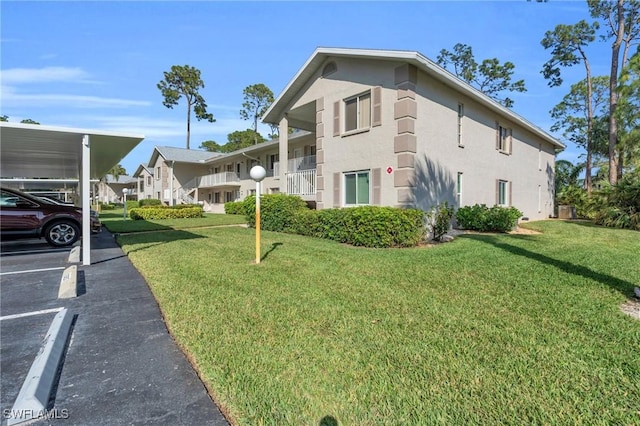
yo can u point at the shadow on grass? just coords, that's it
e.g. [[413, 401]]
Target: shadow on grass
[[328, 421], [273, 247], [127, 225], [624, 287], [147, 240]]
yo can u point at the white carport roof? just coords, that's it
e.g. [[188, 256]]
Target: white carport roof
[[33, 151]]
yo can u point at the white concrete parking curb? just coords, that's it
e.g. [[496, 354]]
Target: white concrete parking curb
[[34, 395], [69, 283], [74, 255]]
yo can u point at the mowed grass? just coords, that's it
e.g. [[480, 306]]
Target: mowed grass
[[487, 329], [113, 220]]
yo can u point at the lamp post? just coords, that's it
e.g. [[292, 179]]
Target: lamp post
[[257, 173], [125, 191]]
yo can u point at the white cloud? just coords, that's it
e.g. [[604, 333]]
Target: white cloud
[[10, 98], [15, 76]]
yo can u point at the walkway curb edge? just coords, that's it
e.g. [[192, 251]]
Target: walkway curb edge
[[34, 395]]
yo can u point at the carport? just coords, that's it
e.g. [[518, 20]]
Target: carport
[[30, 151]]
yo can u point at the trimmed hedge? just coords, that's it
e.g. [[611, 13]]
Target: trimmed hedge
[[367, 226], [148, 213], [481, 218], [276, 211], [132, 204], [149, 202], [235, 207]]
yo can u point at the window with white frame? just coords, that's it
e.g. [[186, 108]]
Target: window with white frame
[[148, 180], [216, 198], [356, 188], [459, 189], [504, 140], [158, 170], [357, 112], [503, 193], [460, 115]]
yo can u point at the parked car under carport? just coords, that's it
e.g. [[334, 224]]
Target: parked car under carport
[[26, 216]]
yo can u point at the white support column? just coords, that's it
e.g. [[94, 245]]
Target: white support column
[[85, 196], [171, 199], [283, 152]]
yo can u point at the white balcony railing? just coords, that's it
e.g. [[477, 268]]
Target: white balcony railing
[[301, 183], [301, 163], [209, 181]]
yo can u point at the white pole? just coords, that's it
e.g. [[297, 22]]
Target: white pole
[[257, 222], [85, 190]]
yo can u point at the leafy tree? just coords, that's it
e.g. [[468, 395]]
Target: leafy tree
[[575, 114], [211, 146], [628, 114], [184, 81], [490, 77], [257, 99], [567, 44], [241, 139], [623, 23], [5, 118], [117, 171]]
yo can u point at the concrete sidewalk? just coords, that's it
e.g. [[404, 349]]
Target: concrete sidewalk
[[122, 366]]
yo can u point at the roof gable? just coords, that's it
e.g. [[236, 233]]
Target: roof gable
[[321, 54]]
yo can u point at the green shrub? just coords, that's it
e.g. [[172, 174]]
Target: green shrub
[[185, 206], [132, 204], [620, 204], [149, 202], [481, 218], [107, 207], [440, 220], [149, 213], [368, 226], [234, 207], [276, 211]]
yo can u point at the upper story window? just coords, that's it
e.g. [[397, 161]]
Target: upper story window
[[357, 112], [158, 171], [460, 115], [503, 139], [148, 180]]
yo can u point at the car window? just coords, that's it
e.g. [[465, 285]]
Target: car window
[[7, 199]]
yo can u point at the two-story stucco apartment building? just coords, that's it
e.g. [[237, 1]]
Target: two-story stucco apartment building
[[383, 128]]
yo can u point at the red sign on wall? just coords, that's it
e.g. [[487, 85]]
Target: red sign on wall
[[389, 170]]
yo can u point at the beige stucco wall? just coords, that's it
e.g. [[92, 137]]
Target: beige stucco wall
[[425, 111]]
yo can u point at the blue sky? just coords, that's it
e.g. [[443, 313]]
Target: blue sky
[[95, 65]]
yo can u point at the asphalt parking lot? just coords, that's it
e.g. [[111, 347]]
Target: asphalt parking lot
[[119, 365]]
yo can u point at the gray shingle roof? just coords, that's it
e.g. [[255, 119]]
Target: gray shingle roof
[[183, 155]]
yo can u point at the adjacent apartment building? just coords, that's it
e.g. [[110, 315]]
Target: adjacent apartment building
[[377, 127]]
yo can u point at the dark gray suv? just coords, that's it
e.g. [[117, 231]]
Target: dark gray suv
[[26, 216]]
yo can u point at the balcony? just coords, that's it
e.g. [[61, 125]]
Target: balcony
[[211, 181], [302, 182], [294, 165]]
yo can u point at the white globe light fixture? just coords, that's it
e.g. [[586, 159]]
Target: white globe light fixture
[[125, 191], [257, 173]]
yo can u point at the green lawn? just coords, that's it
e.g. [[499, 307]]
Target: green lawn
[[487, 329], [113, 220]]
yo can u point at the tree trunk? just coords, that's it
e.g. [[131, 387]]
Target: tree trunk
[[587, 177], [188, 123], [614, 164], [255, 129]]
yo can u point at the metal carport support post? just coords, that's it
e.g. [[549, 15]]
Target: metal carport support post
[[85, 197]]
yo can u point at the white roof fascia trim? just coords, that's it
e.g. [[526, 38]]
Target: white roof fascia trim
[[74, 130], [432, 67]]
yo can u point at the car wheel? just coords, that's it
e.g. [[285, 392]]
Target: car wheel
[[63, 233]]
